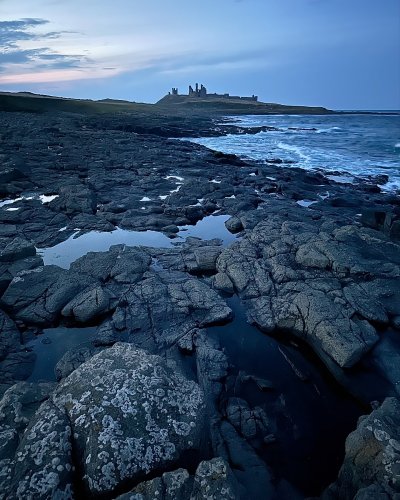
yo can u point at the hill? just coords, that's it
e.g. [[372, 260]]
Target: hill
[[210, 104], [170, 104]]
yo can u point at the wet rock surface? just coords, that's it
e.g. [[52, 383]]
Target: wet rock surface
[[155, 405]]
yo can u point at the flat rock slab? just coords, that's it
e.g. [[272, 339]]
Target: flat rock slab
[[327, 284]]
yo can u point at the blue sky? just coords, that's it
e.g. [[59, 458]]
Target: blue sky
[[343, 54]]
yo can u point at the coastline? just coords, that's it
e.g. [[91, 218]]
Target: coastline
[[321, 273]]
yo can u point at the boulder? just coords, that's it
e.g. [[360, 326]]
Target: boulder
[[234, 225], [146, 415], [206, 258], [372, 461]]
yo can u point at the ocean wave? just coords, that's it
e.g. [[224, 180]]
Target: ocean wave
[[397, 145], [294, 149], [327, 130]]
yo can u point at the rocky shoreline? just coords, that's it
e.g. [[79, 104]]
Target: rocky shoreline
[[157, 401]]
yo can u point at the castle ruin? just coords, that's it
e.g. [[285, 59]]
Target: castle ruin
[[201, 91]]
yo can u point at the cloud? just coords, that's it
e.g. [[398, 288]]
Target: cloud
[[14, 36]]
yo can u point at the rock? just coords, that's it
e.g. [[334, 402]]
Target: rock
[[15, 363], [17, 407], [371, 463], [241, 417], [176, 485], [213, 480], [221, 281], [165, 306], [75, 199], [145, 412], [72, 359], [43, 465], [90, 304], [325, 287], [395, 230], [17, 249], [10, 338], [39, 295], [121, 263], [206, 258], [250, 470], [234, 225], [105, 335], [373, 218]]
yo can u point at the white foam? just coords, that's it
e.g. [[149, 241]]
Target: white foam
[[306, 203], [47, 199], [163, 196], [341, 179], [177, 177], [230, 197], [145, 198], [12, 209], [214, 181], [327, 130], [397, 145], [293, 149], [252, 174], [9, 202]]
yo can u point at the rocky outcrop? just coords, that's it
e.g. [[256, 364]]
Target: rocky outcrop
[[328, 285], [371, 467], [166, 306], [145, 414]]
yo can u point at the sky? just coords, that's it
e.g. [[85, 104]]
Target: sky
[[342, 54]]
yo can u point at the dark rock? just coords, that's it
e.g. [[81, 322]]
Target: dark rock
[[39, 295], [72, 359], [371, 463], [75, 199], [395, 230], [206, 258], [213, 480], [234, 225], [194, 213], [221, 281], [167, 305], [90, 304], [105, 335], [17, 249], [15, 363]]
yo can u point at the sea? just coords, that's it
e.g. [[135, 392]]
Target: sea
[[351, 145]]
